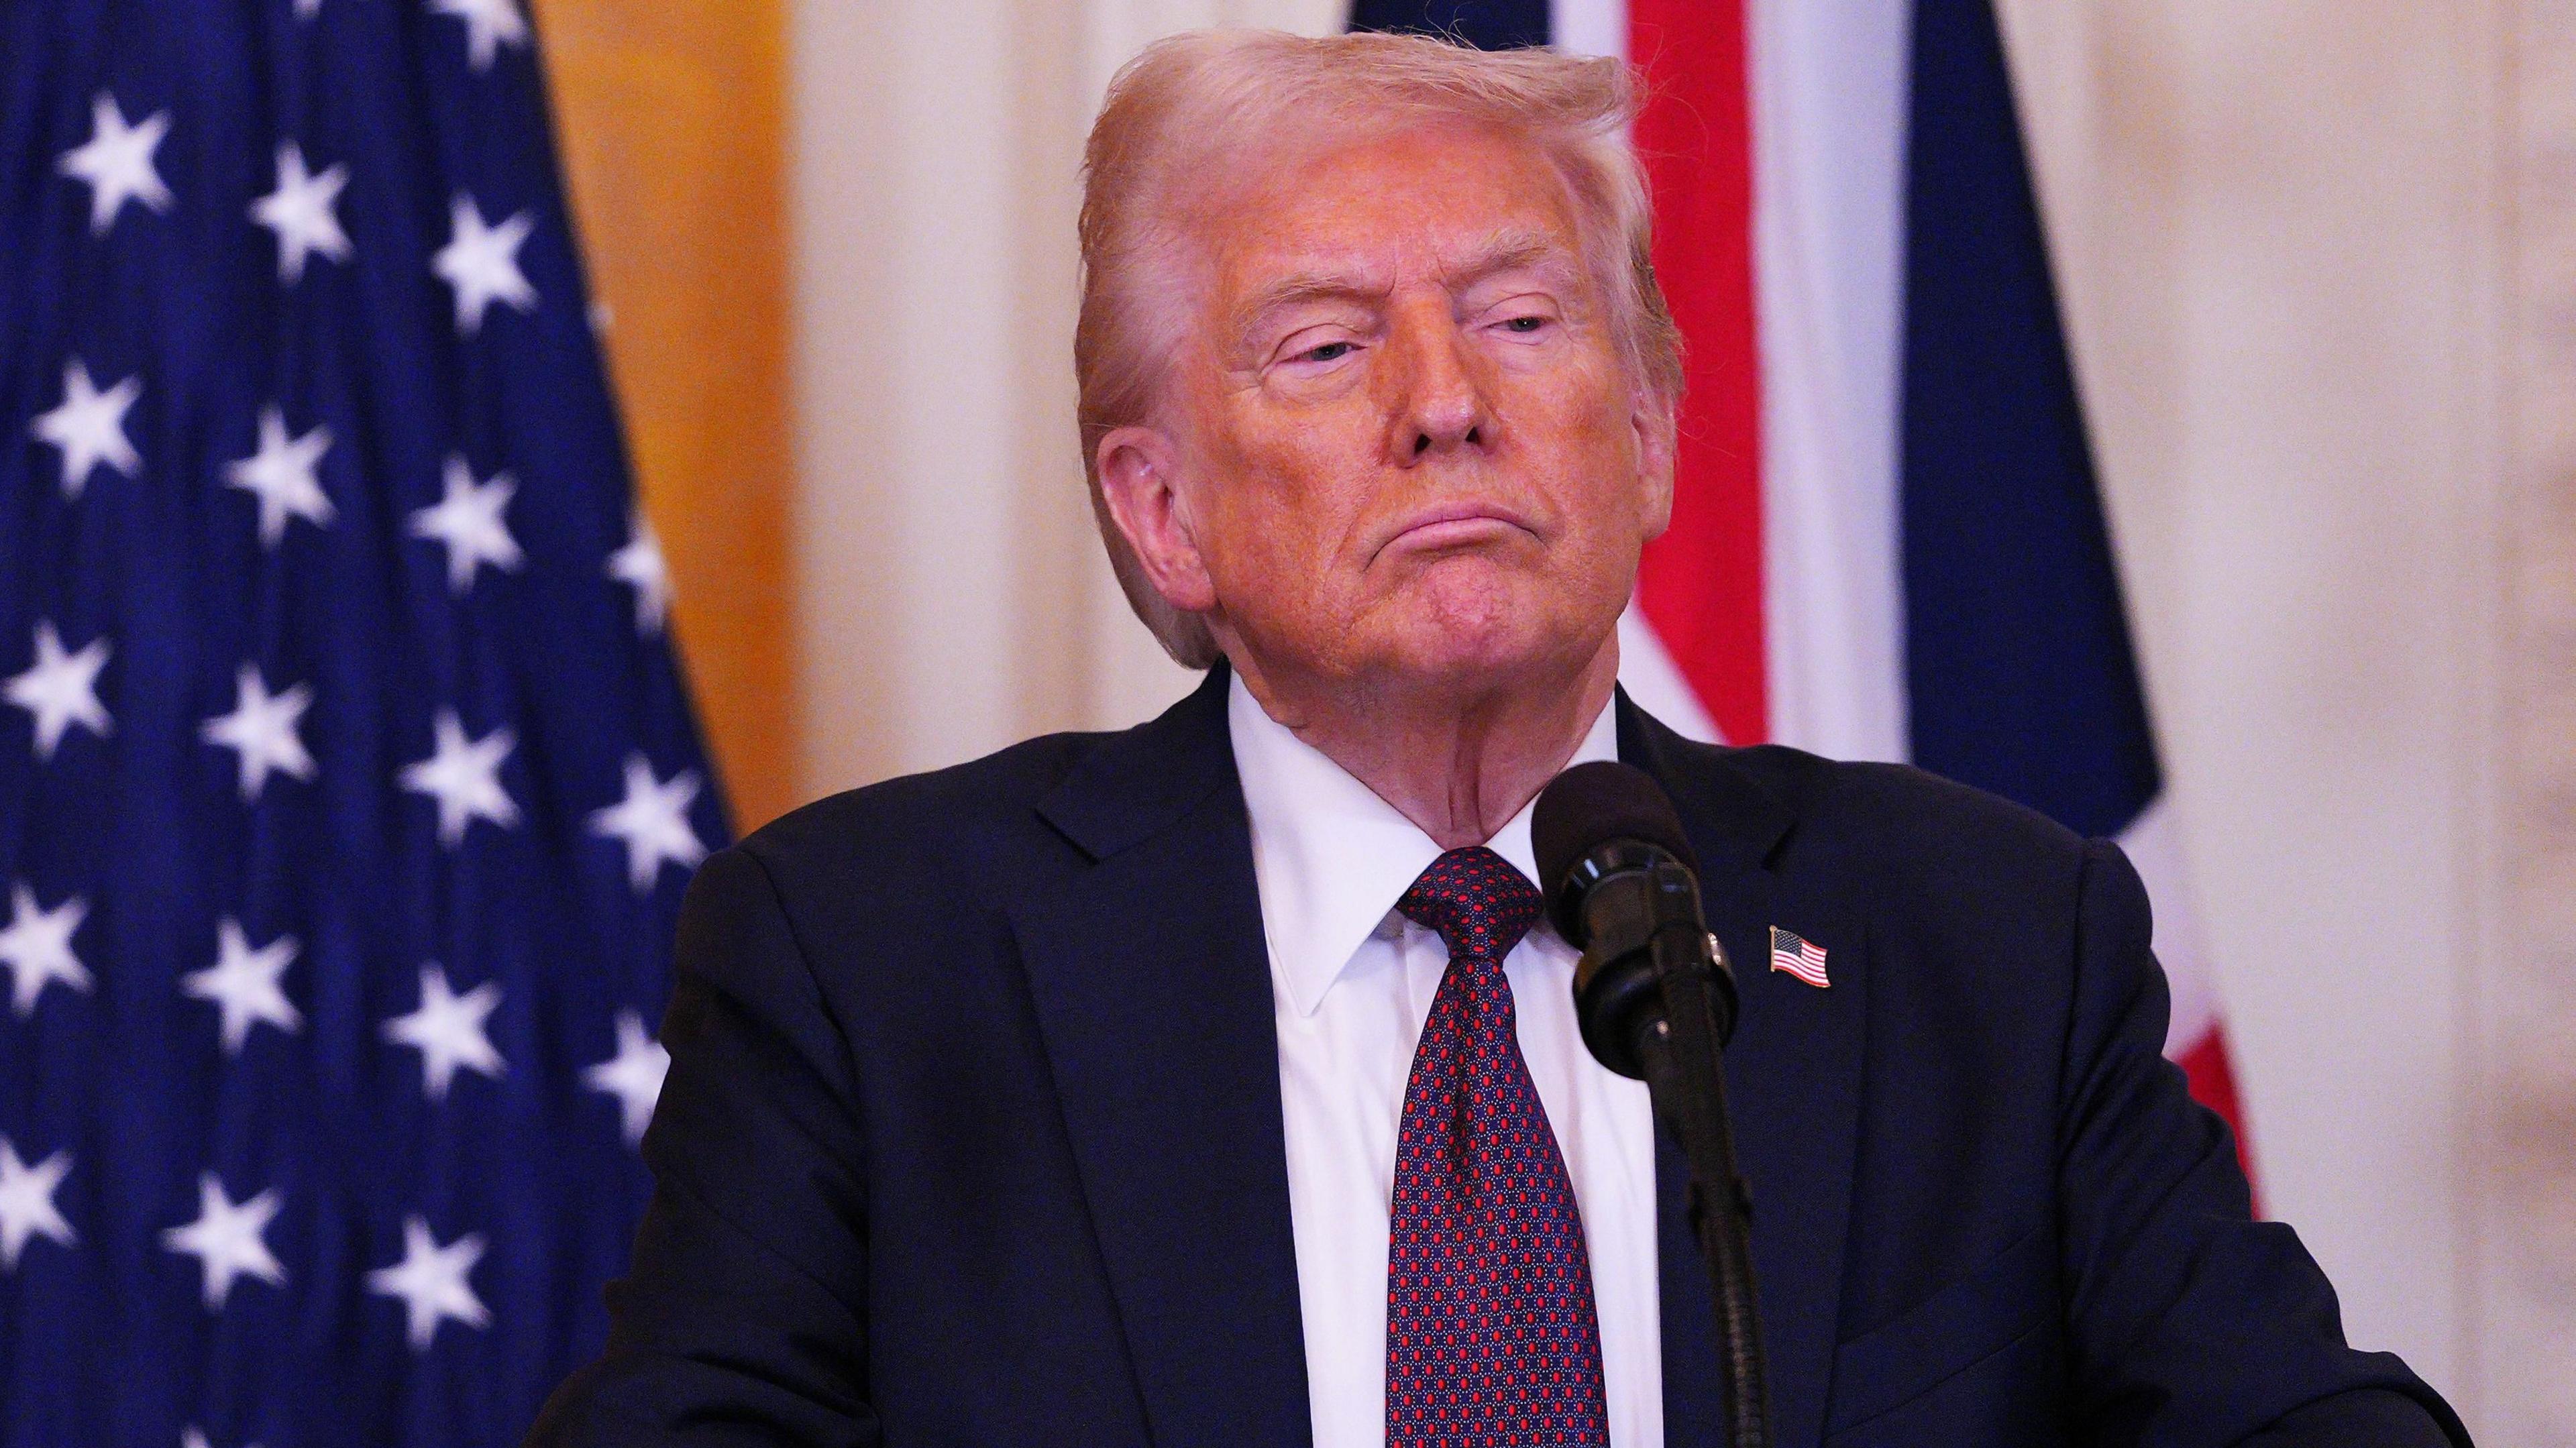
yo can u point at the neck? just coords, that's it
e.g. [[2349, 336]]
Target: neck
[[1457, 761]]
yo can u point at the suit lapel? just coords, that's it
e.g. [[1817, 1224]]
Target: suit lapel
[[1793, 1085], [1151, 981]]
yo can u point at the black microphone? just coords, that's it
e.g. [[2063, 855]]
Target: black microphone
[[1656, 1000], [1623, 888]]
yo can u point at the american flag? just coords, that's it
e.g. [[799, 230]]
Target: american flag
[[347, 785], [1799, 956]]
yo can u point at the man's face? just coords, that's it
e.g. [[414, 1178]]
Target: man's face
[[1406, 449]]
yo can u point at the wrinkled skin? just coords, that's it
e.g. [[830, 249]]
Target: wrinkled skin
[[1400, 468]]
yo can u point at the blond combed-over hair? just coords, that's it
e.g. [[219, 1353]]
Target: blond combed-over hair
[[1185, 116]]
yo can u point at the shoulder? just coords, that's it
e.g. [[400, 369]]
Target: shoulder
[[1794, 808], [940, 854], [964, 817], [1898, 817], [1915, 854], [865, 885]]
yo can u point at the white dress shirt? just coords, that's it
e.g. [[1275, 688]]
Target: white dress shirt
[[1351, 982]]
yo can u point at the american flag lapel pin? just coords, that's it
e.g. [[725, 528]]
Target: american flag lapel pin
[[1799, 956]]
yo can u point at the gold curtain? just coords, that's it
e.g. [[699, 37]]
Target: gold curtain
[[669, 115]]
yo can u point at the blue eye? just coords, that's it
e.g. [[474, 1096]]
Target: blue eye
[[1526, 324], [1329, 352]]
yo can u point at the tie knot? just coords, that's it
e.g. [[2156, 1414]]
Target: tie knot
[[1477, 902]]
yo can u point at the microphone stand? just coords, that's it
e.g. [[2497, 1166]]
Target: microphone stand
[[1685, 1076]]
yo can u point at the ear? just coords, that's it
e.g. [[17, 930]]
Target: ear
[[1653, 422], [1140, 482]]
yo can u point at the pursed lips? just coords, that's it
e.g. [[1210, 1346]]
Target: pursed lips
[[1453, 525]]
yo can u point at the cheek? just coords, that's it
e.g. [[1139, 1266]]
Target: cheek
[[1289, 492], [1270, 525], [1591, 462]]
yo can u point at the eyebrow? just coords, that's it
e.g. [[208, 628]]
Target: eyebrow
[[1511, 249]]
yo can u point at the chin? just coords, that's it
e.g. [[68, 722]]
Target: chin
[[1478, 635]]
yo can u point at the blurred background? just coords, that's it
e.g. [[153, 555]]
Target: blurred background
[[2318, 263]]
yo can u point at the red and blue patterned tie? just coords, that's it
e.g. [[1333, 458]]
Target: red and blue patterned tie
[[1490, 1333]]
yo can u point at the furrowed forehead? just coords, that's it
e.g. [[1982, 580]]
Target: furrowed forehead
[[1514, 249], [1507, 249]]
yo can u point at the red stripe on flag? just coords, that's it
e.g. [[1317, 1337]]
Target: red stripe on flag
[[2213, 1084], [1701, 583]]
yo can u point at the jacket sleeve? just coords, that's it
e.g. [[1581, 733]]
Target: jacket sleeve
[[2190, 1322], [743, 1320]]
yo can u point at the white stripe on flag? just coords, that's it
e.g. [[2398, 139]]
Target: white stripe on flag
[[1655, 683], [2155, 848], [1589, 27], [1800, 957], [1829, 81]]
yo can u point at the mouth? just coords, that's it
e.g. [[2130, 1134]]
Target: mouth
[[1454, 525]]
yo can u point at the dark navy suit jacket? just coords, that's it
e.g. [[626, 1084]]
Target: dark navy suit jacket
[[972, 1132]]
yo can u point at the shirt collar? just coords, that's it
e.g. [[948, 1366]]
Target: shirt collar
[[1330, 857]]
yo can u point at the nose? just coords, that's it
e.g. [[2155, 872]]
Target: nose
[[1441, 407]]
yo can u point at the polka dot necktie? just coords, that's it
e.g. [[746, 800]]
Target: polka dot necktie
[[1490, 1333]]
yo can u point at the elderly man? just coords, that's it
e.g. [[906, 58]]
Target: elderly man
[[1217, 1082]]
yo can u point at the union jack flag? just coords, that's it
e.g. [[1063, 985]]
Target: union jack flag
[[1886, 541]]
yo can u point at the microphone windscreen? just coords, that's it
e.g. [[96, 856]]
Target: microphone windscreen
[[1590, 805]]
